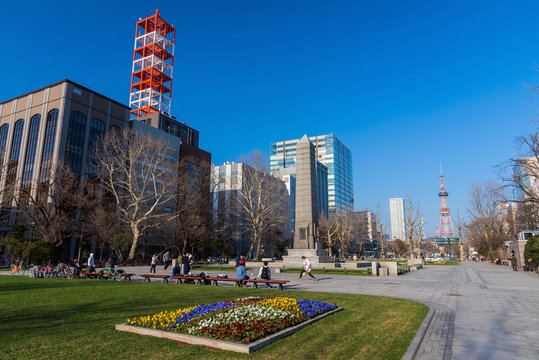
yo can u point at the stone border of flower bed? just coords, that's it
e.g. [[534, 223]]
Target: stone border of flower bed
[[221, 344]]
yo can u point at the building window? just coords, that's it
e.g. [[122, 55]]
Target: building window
[[75, 142], [4, 130], [15, 151], [95, 140], [48, 145], [31, 148]]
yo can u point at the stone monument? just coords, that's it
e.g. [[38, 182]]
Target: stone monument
[[306, 241]]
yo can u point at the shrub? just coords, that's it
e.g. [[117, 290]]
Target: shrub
[[531, 250], [43, 251]]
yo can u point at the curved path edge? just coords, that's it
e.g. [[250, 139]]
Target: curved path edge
[[434, 338]]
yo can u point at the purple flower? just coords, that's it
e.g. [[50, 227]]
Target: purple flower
[[311, 308]]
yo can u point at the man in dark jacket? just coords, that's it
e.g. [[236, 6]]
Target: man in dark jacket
[[514, 263]]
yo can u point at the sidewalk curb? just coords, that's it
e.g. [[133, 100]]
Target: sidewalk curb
[[418, 339]]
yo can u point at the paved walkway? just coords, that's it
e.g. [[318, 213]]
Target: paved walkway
[[480, 310]]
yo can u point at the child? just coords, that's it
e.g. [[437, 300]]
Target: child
[[154, 263]]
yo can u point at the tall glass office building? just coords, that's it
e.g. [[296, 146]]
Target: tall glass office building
[[331, 152]]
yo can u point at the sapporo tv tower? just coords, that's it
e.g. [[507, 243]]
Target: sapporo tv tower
[[446, 235]]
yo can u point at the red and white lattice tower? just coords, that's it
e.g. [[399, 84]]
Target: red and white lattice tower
[[153, 60], [446, 227]]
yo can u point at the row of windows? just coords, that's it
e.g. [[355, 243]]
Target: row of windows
[[74, 145], [31, 148]]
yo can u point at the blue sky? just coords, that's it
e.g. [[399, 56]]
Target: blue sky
[[402, 84]]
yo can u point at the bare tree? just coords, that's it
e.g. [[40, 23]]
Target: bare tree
[[382, 227], [263, 201], [526, 217], [487, 230], [420, 233], [411, 222], [51, 206], [327, 228], [102, 221], [397, 246], [141, 174], [345, 224], [196, 187], [460, 226], [525, 169]]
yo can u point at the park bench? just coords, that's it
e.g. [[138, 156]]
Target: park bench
[[90, 275], [197, 279], [126, 276], [147, 277], [255, 282]]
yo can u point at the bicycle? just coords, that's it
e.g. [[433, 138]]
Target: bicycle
[[110, 273], [17, 269]]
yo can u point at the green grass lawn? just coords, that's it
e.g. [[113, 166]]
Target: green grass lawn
[[75, 319]]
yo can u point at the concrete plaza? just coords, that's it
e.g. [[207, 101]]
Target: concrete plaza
[[482, 311]]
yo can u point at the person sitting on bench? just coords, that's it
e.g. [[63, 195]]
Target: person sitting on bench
[[265, 273], [176, 270], [241, 272]]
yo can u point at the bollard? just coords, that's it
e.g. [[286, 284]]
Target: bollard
[[345, 270], [323, 269]]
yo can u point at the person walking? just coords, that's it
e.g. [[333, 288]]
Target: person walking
[[241, 272], [514, 263], [265, 273], [306, 268], [166, 260], [91, 263], [153, 263]]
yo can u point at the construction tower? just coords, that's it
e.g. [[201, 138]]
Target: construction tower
[[446, 227], [153, 60]]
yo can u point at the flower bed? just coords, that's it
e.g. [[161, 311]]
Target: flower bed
[[241, 320]]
